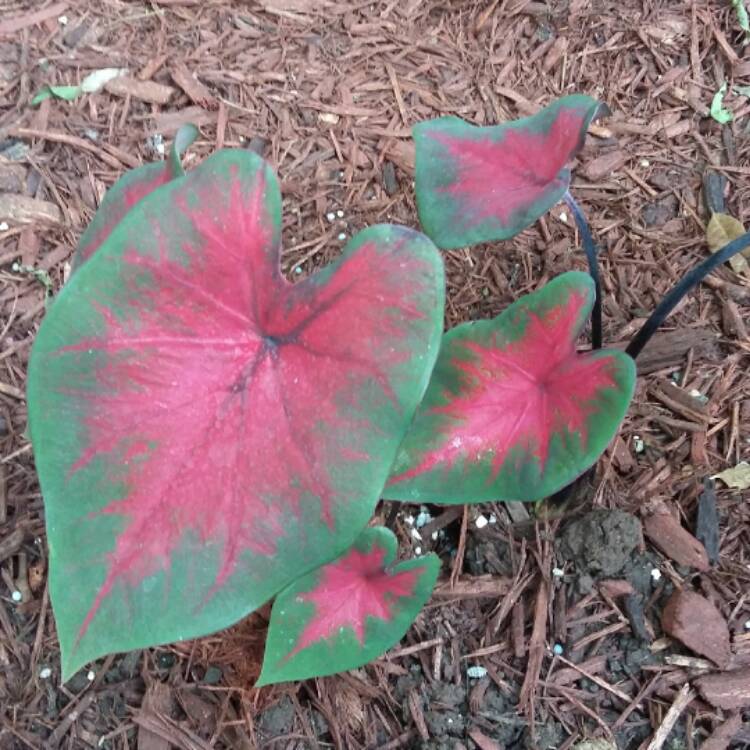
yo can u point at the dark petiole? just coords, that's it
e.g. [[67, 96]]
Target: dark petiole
[[691, 279], [591, 251]]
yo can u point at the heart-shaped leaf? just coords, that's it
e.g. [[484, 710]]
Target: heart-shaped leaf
[[348, 612], [477, 184], [128, 190], [206, 432], [513, 412]]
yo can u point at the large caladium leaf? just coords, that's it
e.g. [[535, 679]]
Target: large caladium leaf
[[128, 190], [206, 432], [477, 184], [348, 612], [513, 412]]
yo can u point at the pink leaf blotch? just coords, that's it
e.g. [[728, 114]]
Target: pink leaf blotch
[[513, 411], [347, 612], [201, 425], [477, 184]]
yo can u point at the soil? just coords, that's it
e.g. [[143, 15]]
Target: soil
[[509, 653]]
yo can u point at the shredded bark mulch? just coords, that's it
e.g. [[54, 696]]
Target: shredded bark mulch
[[554, 625]]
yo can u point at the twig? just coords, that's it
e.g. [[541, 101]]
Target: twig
[[684, 697]]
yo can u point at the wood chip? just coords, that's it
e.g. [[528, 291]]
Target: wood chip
[[196, 91], [681, 402], [483, 741], [615, 588], [474, 588], [669, 348], [727, 690], [22, 209], [158, 699], [16, 23], [694, 621], [723, 735], [603, 166], [676, 542], [147, 91], [168, 123]]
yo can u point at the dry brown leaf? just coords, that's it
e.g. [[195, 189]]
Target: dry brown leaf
[[738, 477], [722, 229]]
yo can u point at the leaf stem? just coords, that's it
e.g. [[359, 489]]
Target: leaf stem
[[589, 247], [691, 279]]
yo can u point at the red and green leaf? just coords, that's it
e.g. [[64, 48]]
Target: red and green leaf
[[206, 432], [128, 190], [513, 412], [348, 612], [478, 184]]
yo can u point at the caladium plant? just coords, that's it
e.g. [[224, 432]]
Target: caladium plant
[[206, 432], [512, 410], [347, 612], [477, 184], [209, 436]]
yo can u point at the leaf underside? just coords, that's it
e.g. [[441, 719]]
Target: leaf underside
[[513, 412], [348, 612], [206, 432], [479, 184], [132, 187]]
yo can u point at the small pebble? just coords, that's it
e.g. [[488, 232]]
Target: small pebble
[[655, 574], [16, 596], [645, 163], [416, 535], [563, 217], [45, 673], [340, 214], [557, 649], [434, 536], [493, 518], [342, 236], [638, 444], [331, 216], [423, 518], [4, 226], [747, 624], [481, 522], [62, 20], [91, 675], [417, 550], [557, 572], [298, 270], [476, 673], [409, 520]]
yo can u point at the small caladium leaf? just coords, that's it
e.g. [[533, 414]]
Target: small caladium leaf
[[348, 612], [477, 184], [513, 412], [128, 190], [206, 432]]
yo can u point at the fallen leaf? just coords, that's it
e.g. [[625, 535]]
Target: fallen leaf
[[718, 112], [89, 85], [721, 230], [694, 621], [738, 477]]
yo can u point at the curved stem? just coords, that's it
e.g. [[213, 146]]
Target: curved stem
[[681, 288], [591, 252]]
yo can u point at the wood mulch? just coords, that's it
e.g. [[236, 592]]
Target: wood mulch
[[514, 650]]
